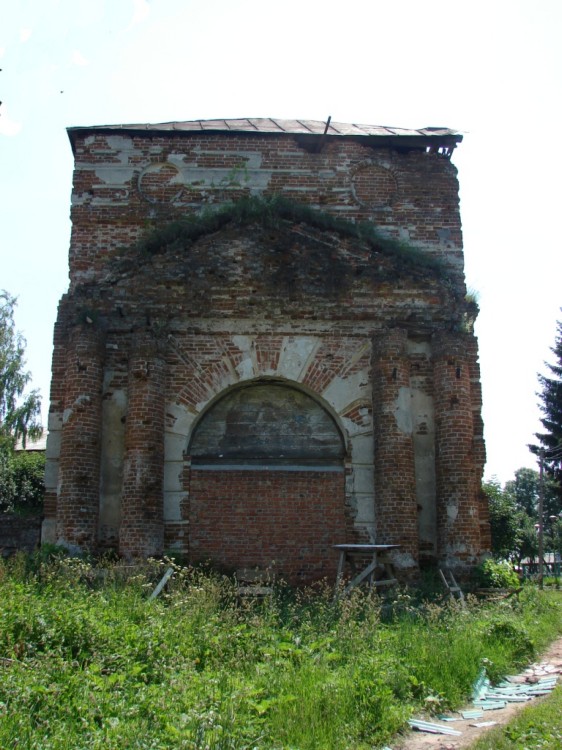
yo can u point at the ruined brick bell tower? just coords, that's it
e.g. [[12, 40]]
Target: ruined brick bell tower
[[266, 348]]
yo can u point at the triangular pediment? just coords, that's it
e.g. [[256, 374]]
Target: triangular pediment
[[261, 258]]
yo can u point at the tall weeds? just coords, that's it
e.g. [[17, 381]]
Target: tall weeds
[[88, 661]]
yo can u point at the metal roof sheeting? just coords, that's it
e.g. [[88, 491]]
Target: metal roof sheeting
[[275, 126]]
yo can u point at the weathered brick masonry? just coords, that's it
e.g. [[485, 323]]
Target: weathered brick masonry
[[19, 533], [259, 385]]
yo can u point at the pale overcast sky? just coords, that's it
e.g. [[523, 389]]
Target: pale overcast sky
[[492, 70]]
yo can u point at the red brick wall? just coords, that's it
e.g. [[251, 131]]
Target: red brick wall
[[19, 533], [262, 518], [415, 190], [458, 480], [199, 365], [142, 526], [222, 308], [395, 483], [77, 516]]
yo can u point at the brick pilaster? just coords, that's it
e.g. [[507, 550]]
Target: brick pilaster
[[479, 445], [142, 525], [79, 469], [395, 485], [458, 522]]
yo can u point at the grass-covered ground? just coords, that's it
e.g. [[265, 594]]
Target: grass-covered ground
[[537, 727], [87, 661]]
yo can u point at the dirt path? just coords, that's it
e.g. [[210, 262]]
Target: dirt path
[[422, 741]]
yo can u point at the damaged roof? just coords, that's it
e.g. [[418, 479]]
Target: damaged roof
[[308, 130]]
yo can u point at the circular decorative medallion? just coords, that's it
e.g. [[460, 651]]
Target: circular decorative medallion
[[373, 186], [161, 183]]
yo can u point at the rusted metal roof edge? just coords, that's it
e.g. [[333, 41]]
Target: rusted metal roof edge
[[374, 135]]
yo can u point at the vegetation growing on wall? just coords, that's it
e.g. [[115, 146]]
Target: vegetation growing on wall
[[273, 211]]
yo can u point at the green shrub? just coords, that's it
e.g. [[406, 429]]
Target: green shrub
[[21, 481], [496, 574]]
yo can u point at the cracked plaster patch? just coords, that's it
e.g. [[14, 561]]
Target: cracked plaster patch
[[452, 512], [403, 411]]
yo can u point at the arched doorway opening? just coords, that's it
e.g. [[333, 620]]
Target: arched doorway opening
[[267, 484]]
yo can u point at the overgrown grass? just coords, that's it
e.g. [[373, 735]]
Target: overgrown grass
[[87, 661], [274, 211]]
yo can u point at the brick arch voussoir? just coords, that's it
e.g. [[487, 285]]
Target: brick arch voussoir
[[260, 380]]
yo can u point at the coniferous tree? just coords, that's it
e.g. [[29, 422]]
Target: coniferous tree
[[551, 406]]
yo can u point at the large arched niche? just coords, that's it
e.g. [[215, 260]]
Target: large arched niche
[[266, 483], [267, 424]]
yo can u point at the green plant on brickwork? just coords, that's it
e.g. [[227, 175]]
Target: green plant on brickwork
[[275, 211], [237, 177], [471, 310], [472, 297]]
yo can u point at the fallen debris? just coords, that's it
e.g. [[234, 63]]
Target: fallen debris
[[427, 726], [165, 578], [480, 686], [472, 714], [536, 680], [491, 705]]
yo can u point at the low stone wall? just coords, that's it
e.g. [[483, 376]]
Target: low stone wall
[[19, 533]]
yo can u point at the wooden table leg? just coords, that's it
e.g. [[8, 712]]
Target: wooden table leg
[[369, 570], [339, 574], [371, 578], [390, 574]]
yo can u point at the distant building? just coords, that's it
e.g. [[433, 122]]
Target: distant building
[[260, 384]]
